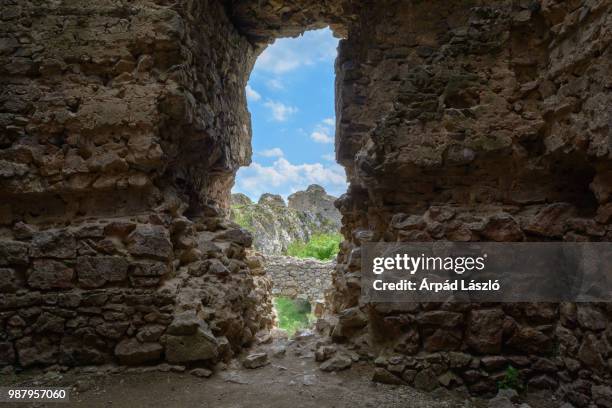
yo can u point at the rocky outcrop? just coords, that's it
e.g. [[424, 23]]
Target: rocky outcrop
[[315, 200], [275, 225]]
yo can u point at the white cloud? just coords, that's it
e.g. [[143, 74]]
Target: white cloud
[[321, 137], [284, 177], [274, 152], [329, 121], [277, 61], [252, 94], [275, 84], [280, 111], [324, 131], [329, 157], [286, 54]]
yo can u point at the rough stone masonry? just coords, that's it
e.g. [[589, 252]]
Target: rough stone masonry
[[308, 278], [124, 122]]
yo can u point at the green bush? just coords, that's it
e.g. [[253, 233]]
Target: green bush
[[241, 216], [320, 246], [293, 314], [511, 380]]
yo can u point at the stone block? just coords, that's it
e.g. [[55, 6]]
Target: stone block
[[54, 244], [133, 352], [185, 323], [7, 353], [199, 346], [14, 253], [255, 360], [96, 271], [9, 280], [50, 274], [484, 331], [150, 241]]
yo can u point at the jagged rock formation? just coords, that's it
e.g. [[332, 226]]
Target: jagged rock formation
[[458, 120], [275, 225], [316, 201]]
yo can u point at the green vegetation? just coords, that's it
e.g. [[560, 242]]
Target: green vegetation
[[241, 216], [320, 246], [293, 314], [273, 226], [511, 380]]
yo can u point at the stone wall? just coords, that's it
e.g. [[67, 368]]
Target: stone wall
[[118, 121], [470, 121], [109, 105], [128, 290], [457, 120], [467, 121], [299, 278]]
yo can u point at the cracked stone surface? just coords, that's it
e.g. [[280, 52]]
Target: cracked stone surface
[[122, 125]]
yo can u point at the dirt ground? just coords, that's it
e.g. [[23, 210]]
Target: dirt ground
[[292, 380]]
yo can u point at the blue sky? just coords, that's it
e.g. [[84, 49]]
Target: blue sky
[[290, 96]]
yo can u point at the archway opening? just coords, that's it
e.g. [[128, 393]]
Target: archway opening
[[285, 197], [290, 95]]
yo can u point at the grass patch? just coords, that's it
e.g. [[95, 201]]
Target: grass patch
[[320, 246], [511, 380], [293, 314], [240, 215]]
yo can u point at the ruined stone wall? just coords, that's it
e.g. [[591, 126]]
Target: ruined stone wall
[[470, 121], [117, 98], [299, 278], [118, 119], [458, 120]]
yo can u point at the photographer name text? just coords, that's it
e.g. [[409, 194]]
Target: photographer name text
[[414, 264]]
